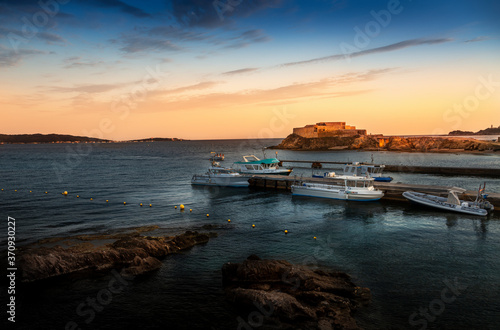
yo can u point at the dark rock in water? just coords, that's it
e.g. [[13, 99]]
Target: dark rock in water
[[132, 253], [292, 296]]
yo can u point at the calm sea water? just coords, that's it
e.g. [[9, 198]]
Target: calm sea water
[[406, 255]]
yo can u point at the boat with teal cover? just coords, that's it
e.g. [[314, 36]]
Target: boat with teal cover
[[253, 165]]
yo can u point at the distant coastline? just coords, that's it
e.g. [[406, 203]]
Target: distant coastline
[[62, 138], [488, 131]]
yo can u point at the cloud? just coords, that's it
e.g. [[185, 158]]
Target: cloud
[[240, 71], [383, 49], [88, 88], [9, 57], [77, 62], [248, 37], [51, 38], [170, 31], [476, 39], [135, 44], [189, 88], [332, 87], [212, 14], [122, 6]]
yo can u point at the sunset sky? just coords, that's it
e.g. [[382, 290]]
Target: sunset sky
[[203, 69]]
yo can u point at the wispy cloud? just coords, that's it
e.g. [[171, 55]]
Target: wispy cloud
[[332, 87], [9, 57], [204, 13], [248, 37], [77, 62], [477, 39], [51, 38], [88, 88], [240, 71], [383, 49], [122, 6], [189, 88], [136, 44]]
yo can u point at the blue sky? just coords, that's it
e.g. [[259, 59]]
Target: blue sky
[[65, 64]]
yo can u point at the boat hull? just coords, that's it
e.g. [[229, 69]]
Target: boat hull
[[383, 179], [440, 203], [277, 172], [340, 194], [234, 181]]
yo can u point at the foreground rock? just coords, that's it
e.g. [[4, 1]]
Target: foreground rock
[[131, 252], [277, 294], [367, 142]]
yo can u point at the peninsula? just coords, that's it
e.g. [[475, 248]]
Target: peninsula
[[339, 136], [62, 138]]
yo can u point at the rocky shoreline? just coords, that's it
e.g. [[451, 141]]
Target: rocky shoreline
[[402, 144], [280, 295], [132, 252]]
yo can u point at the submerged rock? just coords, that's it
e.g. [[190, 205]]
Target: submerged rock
[[132, 253], [292, 296]]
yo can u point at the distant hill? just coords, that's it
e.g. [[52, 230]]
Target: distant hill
[[60, 138], [46, 138], [487, 131], [156, 140]]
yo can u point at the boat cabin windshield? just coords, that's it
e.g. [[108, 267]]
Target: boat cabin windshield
[[359, 183], [221, 171]]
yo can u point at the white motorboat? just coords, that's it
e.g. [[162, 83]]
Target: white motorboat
[[253, 165], [372, 170], [353, 188], [220, 176], [452, 203]]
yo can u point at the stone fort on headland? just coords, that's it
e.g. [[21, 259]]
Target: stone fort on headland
[[328, 129]]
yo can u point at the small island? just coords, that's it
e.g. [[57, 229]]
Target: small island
[[339, 136]]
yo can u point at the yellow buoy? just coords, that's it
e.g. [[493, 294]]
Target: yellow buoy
[[2, 189], [190, 210], [30, 190], [107, 201], [124, 203], [91, 199], [228, 220], [253, 226], [150, 205], [15, 190], [182, 206], [286, 231], [65, 193], [140, 204], [77, 196], [208, 215], [46, 192], [314, 237], [175, 207]]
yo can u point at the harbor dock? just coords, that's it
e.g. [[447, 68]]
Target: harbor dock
[[467, 171], [392, 191]]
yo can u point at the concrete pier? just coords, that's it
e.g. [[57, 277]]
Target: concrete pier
[[465, 171], [392, 191]]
